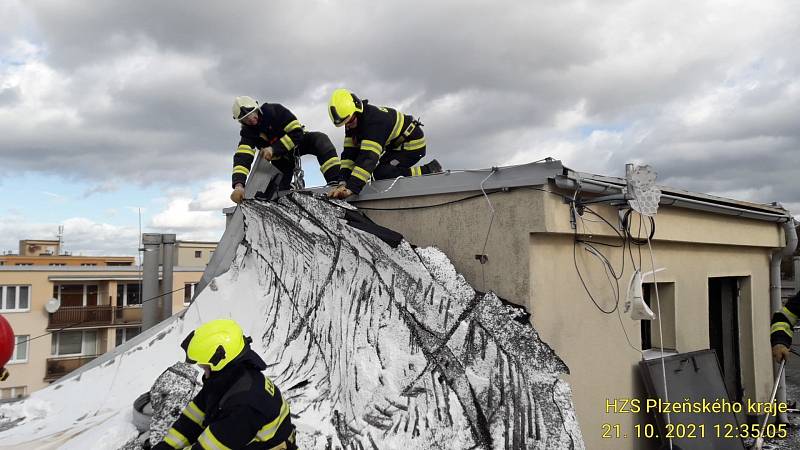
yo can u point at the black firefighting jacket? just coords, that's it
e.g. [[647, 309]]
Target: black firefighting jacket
[[377, 130], [277, 127], [784, 320], [236, 408]]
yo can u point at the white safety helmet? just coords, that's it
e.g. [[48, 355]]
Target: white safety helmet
[[243, 106]]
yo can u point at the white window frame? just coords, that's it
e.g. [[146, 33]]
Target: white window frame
[[25, 341], [4, 293], [14, 391], [57, 336], [125, 295], [192, 287]]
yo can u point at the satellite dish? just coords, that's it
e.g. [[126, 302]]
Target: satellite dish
[[52, 305]]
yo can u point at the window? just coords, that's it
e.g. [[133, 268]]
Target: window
[[20, 354], [88, 264], [13, 392], [649, 328], [14, 298], [198, 254], [129, 294], [23, 264], [76, 294], [126, 334], [70, 343], [57, 264], [119, 263], [188, 292]]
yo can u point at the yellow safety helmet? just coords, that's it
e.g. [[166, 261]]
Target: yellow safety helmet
[[243, 106], [342, 106], [214, 343]]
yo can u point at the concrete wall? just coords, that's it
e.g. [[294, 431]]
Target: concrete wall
[[460, 230], [530, 252]]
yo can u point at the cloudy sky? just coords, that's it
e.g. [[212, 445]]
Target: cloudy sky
[[112, 107]]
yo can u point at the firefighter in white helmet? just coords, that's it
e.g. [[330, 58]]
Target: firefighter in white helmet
[[272, 128]]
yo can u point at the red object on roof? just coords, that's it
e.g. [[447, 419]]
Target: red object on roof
[[6, 341]]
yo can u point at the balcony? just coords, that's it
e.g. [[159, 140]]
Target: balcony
[[94, 316], [58, 367]]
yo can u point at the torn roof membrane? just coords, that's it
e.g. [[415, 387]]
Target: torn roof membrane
[[373, 346]]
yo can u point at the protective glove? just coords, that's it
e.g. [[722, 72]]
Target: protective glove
[[779, 353], [3, 374], [266, 153], [340, 192], [237, 196]]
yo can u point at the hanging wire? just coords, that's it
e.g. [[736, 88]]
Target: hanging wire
[[609, 269], [389, 188], [660, 332], [489, 230], [575, 241], [73, 325]]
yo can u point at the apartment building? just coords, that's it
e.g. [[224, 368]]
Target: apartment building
[[99, 306]]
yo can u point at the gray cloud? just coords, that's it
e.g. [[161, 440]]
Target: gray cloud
[[140, 91]]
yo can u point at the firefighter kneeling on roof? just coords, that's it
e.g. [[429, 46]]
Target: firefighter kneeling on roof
[[379, 142], [238, 407]]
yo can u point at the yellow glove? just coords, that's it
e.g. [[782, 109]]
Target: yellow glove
[[237, 196], [779, 353], [3, 374]]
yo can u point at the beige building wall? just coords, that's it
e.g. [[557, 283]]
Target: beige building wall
[[34, 321], [34, 247], [193, 253], [530, 261], [31, 322]]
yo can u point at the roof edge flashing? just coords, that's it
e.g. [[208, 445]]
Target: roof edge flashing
[[571, 180]]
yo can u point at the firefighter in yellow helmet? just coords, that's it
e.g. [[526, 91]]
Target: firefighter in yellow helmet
[[783, 323], [282, 139], [379, 142], [238, 407]]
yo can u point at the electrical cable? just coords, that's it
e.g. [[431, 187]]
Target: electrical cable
[[575, 260], [73, 325], [621, 236], [660, 330], [626, 225], [609, 268], [489, 230], [389, 188], [409, 208]]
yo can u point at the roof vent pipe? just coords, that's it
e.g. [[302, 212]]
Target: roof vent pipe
[[775, 293]]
